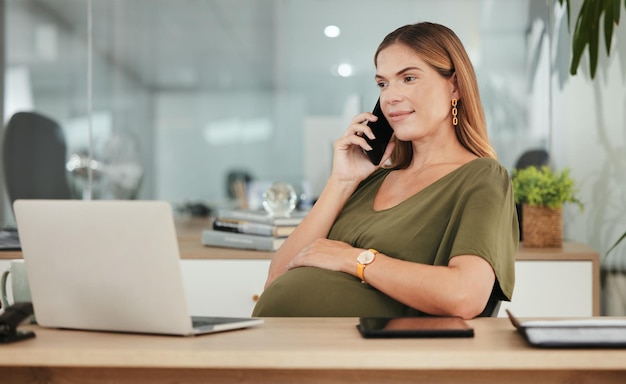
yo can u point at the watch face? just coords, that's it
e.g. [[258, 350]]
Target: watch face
[[365, 257]]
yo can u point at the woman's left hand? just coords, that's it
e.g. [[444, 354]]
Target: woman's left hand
[[327, 254]]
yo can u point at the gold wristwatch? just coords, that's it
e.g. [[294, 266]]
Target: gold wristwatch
[[363, 260]]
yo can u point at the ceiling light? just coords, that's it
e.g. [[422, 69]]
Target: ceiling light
[[332, 31], [344, 70]]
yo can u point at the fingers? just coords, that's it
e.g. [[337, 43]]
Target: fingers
[[321, 253], [358, 125], [353, 138]]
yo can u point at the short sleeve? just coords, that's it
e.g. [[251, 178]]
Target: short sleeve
[[488, 225]]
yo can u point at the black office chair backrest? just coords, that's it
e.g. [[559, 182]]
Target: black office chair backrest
[[533, 157], [34, 157], [491, 309]]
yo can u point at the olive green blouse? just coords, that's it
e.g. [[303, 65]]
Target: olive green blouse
[[470, 211]]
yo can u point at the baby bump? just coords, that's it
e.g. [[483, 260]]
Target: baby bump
[[315, 292]]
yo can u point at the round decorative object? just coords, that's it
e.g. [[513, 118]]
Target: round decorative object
[[280, 199], [542, 227]]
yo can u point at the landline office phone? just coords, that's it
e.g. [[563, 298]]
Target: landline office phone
[[12, 317]]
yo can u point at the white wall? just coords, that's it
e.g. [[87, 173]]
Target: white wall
[[589, 137], [201, 136]]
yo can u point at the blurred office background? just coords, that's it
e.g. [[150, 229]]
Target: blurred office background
[[180, 94]]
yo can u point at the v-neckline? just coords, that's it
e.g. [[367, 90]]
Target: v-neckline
[[413, 196]]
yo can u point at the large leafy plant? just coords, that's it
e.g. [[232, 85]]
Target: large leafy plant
[[587, 30], [543, 187], [587, 34], [616, 243], [606, 255]]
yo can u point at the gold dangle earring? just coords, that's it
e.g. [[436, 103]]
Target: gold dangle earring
[[455, 112]]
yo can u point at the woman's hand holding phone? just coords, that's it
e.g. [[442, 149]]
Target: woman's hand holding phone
[[382, 131], [369, 134]]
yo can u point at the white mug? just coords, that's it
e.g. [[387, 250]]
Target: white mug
[[19, 284]]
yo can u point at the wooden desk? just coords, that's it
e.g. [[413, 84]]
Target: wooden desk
[[302, 351]]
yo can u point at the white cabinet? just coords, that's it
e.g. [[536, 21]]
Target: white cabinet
[[549, 282], [552, 288], [216, 287], [543, 288], [556, 282], [223, 287]]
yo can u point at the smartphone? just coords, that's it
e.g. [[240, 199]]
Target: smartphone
[[383, 131], [377, 327]]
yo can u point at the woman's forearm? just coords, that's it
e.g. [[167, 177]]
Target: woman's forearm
[[460, 289]]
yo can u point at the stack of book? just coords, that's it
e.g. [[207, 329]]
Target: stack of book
[[247, 229]]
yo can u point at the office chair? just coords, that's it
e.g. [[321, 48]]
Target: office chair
[[34, 156], [533, 157], [491, 309]]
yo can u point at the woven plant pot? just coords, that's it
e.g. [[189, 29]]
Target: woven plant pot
[[542, 227]]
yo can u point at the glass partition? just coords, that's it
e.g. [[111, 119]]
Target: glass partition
[[189, 94]]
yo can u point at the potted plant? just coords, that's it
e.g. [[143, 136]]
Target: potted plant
[[542, 193]]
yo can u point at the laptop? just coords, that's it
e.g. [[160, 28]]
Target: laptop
[[109, 265], [599, 332]]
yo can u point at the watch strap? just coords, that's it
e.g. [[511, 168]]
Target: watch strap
[[360, 268]]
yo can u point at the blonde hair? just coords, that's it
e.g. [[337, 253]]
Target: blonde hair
[[440, 47]]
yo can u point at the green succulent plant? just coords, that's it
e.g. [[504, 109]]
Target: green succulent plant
[[543, 187]]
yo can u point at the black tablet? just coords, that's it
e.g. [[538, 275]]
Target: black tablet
[[371, 327]]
